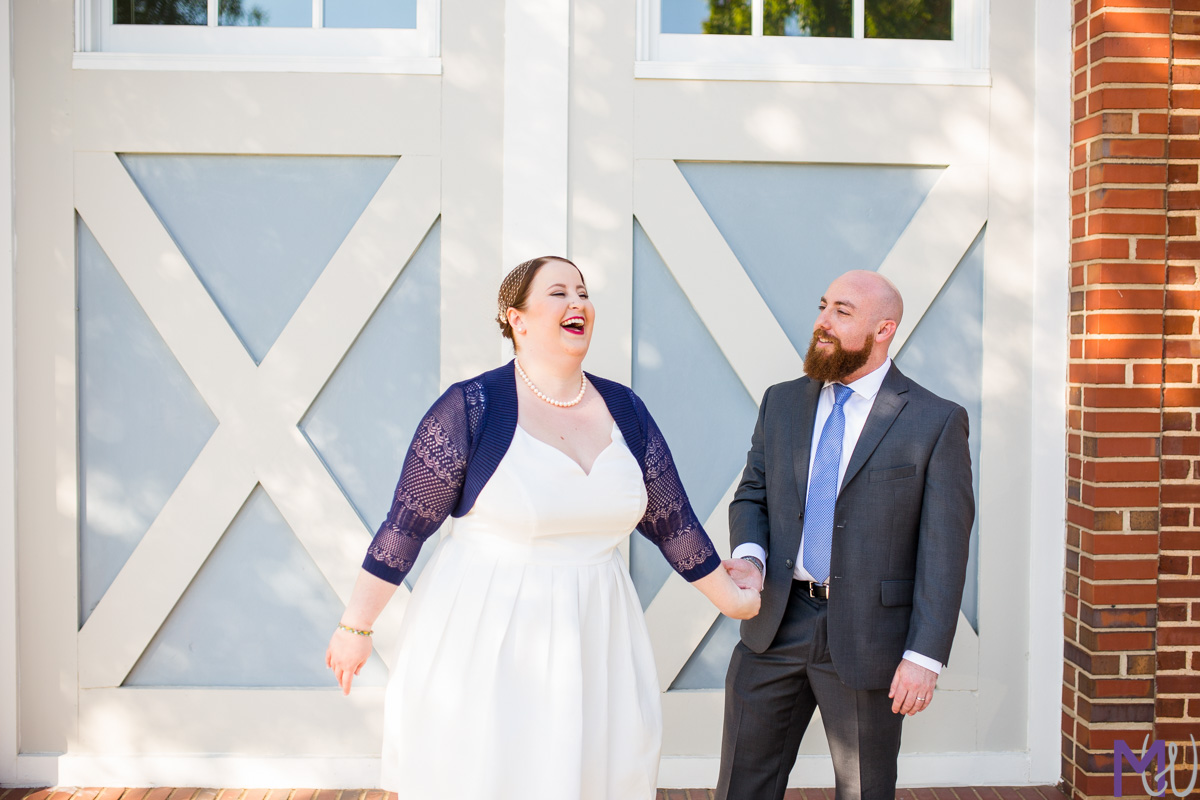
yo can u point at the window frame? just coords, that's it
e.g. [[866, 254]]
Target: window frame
[[102, 44], [960, 60]]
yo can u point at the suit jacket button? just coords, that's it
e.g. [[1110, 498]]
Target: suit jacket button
[[789, 563]]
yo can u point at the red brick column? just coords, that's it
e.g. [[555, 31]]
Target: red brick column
[[1132, 627], [1178, 636]]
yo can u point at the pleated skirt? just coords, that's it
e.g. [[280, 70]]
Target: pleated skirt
[[524, 676]]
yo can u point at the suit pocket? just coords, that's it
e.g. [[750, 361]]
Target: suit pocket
[[893, 474], [896, 593]]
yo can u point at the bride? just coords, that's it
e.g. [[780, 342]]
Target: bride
[[524, 668]]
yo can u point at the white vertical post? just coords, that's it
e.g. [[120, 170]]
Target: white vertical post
[[1051, 280], [9, 741], [756, 17], [213, 13], [858, 18], [537, 37]]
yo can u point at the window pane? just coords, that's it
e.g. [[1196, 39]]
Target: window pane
[[706, 16], [807, 18], [160, 12], [370, 13], [266, 13], [908, 19]]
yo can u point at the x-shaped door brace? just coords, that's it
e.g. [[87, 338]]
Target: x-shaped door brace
[[258, 406], [760, 353]]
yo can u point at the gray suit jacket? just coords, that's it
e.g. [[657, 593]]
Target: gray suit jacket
[[901, 526]]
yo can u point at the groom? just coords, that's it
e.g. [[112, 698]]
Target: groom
[[856, 506]]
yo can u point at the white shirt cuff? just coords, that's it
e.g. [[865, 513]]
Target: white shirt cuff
[[923, 661], [751, 549]]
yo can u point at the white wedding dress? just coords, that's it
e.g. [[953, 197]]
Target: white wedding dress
[[524, 670]]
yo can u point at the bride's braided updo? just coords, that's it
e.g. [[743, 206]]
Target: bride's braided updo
[[514, 289]]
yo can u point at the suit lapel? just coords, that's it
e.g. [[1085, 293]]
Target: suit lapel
[[887, 407], [802, 436]]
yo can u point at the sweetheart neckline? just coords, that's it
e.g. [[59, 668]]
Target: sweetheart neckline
[[586, 473]]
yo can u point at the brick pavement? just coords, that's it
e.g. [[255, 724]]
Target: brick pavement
[[169, 793]]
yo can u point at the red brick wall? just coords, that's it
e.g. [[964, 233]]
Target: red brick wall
[[1177, 704], [1132, 626]]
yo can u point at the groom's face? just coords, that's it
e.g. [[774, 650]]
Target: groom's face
[[844, 332]]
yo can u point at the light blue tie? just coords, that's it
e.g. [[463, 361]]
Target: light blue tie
[[823, 489]]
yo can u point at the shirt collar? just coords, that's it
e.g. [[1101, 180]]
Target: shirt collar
[[868, 385]]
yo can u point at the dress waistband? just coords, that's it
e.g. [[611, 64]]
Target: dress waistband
[[545, 551]]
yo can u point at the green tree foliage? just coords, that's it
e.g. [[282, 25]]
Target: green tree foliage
[[184, 12], [885, 19], [908, 19], [810, 17], [728, 16], [232, 13], [160, 12]]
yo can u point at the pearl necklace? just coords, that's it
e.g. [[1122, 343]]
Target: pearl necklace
[[551, 400]]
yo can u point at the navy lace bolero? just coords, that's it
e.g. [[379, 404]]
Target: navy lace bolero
[[460, 442]]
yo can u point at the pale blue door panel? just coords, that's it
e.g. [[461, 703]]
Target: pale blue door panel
[[141, 422], [364, 418], [693, 394], [796, 227], [258, 230], [258, 613], [945, 355]]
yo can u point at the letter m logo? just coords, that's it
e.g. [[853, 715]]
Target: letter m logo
[[1141, 765]]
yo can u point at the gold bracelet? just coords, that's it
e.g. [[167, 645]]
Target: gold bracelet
[[347, 628]]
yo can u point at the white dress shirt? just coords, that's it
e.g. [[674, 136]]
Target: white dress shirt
[[856, 409]]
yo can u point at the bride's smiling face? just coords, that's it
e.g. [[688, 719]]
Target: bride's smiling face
[[558, 316]]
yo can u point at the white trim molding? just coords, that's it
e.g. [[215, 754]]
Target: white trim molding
[[345, 772], [1048, 445], [338, 772], [916, 769], [829, 73], [35, 769], [9, 691], [537, 57], [214, 62], [961, 60], [262, 49]]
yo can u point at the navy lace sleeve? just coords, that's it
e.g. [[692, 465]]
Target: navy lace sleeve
[[431, 481], [669, 521]]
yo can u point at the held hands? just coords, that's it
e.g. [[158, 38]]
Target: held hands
[[346, 655], [747, 589], [744, 573], [743, 604], [730, 599], [912, 688]]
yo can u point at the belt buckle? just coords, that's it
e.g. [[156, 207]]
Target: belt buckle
[[812, 590]]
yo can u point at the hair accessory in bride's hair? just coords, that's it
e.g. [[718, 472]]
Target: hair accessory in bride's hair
[[511, 287]]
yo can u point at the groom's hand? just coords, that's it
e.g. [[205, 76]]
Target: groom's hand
[[744, 574], [912, 688]]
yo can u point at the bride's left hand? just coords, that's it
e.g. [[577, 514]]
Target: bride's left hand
[[729, 598]]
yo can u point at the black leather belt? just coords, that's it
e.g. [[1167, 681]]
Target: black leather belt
[[819, 591]]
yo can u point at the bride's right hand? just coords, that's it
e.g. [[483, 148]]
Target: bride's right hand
[[346, 655]]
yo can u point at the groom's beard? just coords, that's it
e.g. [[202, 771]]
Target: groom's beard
[[838, 364]]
